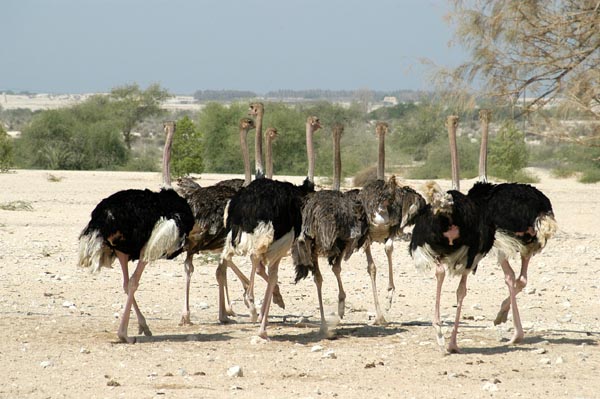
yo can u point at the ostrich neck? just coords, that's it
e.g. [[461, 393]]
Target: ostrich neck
[[269, 157], [337, 162], [381, 158], [484, 116], [245, 155], [166, 167], [258, 150], [310, 152], [452, 125]]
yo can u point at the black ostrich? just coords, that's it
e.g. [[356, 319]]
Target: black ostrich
[[264, 218], [208, 235], [450, 233], [390, 208], [333, 226], [138, 225], [523, 220]]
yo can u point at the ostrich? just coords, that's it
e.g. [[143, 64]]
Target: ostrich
[[523, 219], [389, 208], [257, 110], [136, 225], [271, 134], [450, 233], [209, 232], [333, 226], [264, 218]]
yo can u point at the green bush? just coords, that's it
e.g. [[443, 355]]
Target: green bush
[[6, 151], [508, 153]]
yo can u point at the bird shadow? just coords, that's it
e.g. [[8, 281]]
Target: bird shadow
[[199, 337]]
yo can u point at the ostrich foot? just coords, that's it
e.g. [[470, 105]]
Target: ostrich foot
[[185, 320], [278, 299], [253, 315], [229, 311], [143, 329], [389, 298], [501, 317], [517, 338], [341, 309], [124, 339], [380, 321], [263, 335], [453, 348], [226, 320]]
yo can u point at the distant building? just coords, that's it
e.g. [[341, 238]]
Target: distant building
[[390, 101]]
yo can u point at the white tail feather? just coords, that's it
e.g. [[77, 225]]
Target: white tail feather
[[164, 240], [94, 253]]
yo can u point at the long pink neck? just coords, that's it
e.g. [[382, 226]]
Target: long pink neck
[[166, 167], [452, 125], [310, 152], [269, 157], [337, 159], [381, 158], [258, 150], [245, 155], [484, 117]]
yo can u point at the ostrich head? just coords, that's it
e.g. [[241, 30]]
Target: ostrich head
[[271, 133], [381, 128], [247, 124], [314, 123], [256, 109]]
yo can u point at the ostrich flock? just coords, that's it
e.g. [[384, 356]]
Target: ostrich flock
[[267, 219]]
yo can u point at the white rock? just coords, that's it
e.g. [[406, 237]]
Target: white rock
[[182, 372], [330, 354], [559, 360], [316, 348], [539, 351], [67, 304], [256, 340], [545, 360], [530, 290], [47, 363], [476, 307], [235, 371], [490, 387], [84, 350]]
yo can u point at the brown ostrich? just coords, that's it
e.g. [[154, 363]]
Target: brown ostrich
[[270, 134]]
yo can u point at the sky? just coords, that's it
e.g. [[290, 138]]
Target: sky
[[89, 46]]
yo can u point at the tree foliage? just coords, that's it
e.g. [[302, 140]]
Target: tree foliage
[[187, 150], [547, 51], [508, 153], [6, 150], [133, 104]]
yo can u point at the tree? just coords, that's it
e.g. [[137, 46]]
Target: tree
[[546, 51], [187, 149], [133, 104], [6, 150], [508, 153]]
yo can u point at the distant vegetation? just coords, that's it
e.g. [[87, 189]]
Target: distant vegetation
[[123, 131]]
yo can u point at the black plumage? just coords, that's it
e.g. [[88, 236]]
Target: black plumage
[[131, 225], [523, 220]]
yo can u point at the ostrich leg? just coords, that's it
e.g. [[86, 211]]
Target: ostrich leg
[[142, 325]]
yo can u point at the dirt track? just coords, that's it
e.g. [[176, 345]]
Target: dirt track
[[60, 322]]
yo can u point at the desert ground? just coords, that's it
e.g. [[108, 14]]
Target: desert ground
[[59, 322]]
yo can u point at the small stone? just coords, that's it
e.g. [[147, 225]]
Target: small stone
[[235, 371], [559, 360], [84, 350], [530, 290], [476, 307], [182, 372], [316, 348], [67, 304], [256, 340], [235, 388], [490, 387], [545, 360], [47, 363], [113, 383], [539, 351], [330, 354]]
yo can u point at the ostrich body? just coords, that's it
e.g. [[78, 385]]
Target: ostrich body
[[523, 220], [138, 225], [389, 208], [333, 226], [208, 235], [450, 234], [264, 220]]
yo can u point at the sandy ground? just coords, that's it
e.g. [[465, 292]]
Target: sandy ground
[[59, 323]]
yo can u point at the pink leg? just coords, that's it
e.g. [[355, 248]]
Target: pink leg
[[520, 283], [142, 325], [461, 293], [277, 298], [133, 284], [188, 267], [389, 249], [264, 312], [509, 278], [337, 270], [221, 275], [249, 297], [440, 273], [319, 283], [372, 270]]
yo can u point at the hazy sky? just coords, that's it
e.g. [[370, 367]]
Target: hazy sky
[[79, 46]]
